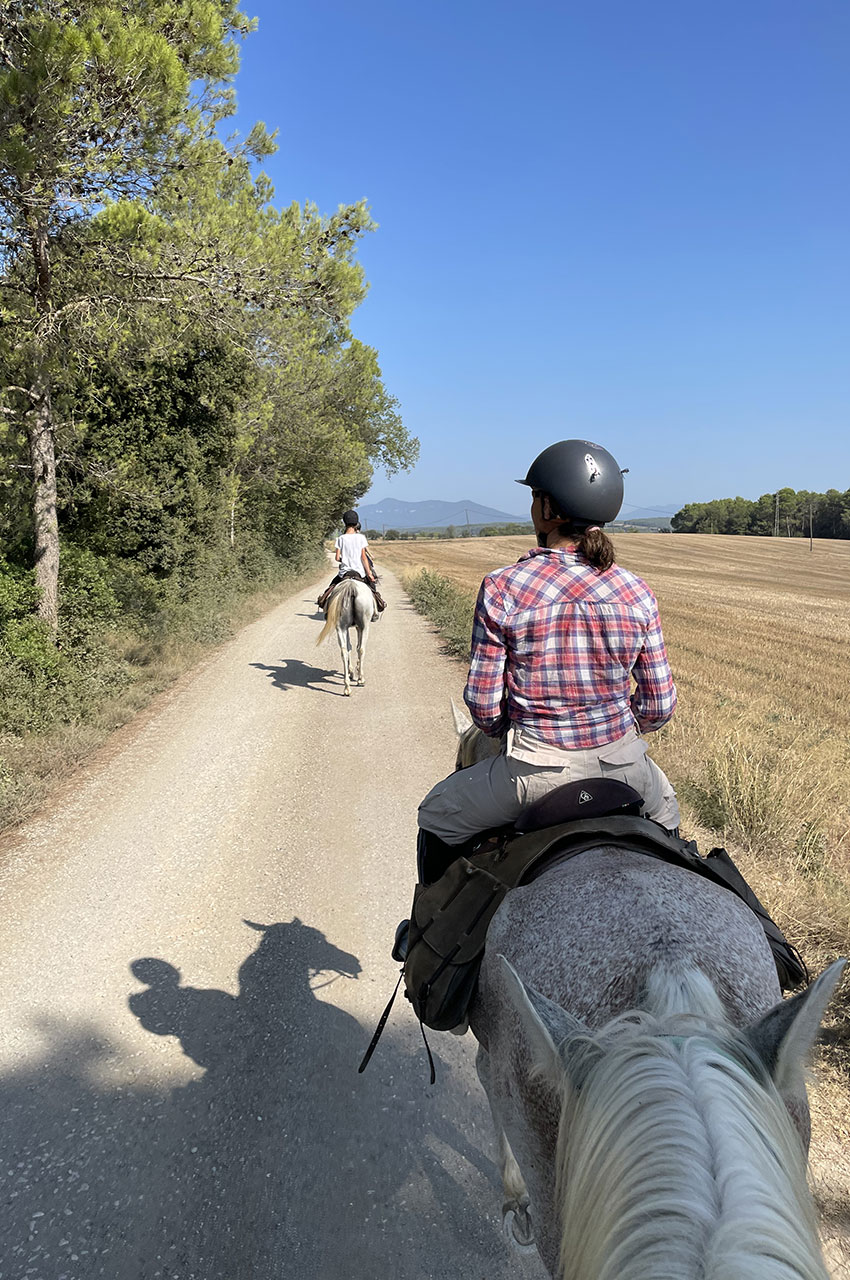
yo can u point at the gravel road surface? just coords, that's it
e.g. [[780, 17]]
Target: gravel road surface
[[194, 952]]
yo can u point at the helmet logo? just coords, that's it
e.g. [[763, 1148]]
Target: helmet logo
[[592, 469]]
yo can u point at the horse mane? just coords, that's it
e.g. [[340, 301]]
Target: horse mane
[[676, 1157]]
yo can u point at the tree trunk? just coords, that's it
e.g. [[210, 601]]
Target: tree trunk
[[42, 443], [46, 524]]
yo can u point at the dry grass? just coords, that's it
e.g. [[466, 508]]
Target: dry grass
[[758, 631]]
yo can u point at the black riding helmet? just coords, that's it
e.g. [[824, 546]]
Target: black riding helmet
[[350, 518], [582, 479]]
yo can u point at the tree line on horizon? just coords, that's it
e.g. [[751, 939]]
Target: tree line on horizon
[[789, 513], [451, 531], [183, 406]]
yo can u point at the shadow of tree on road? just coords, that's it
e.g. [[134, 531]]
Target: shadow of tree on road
[[278, 1161]]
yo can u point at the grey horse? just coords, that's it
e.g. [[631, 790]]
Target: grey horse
[[351, 605], [645, 1077]]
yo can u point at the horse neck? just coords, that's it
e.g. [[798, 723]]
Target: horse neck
[[676, 1163]]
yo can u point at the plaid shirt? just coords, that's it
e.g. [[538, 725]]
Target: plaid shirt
[[555, 644]]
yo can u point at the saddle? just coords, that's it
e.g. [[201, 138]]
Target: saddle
[[450, 917], [324, 598]]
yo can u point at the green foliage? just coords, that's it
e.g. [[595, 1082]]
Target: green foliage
[[790, 513], [186, 342], [28, 644], [118, 624], [202, 375], [18, 592], [512, 529], [89, 602], [46, 678], [449, 607]]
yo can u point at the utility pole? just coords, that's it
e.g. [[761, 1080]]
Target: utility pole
[[811, 539], [466, 513], [776, 519]]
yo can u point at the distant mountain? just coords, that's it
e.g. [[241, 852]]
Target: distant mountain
[[395, 514], [648, 513]]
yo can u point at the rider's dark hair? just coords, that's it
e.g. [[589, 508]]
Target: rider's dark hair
[[592, 543]]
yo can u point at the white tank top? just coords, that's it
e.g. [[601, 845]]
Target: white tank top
[[350, 545]]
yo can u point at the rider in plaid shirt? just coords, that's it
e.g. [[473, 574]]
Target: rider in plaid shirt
[[554, 646], [557, 642]]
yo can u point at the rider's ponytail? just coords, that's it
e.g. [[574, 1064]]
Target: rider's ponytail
[[592, 544]]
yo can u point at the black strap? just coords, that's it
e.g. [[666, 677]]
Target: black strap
[[379, 1032], [380, 1029], [428, 1051]]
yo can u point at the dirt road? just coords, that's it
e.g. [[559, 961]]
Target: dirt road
[[194, 951]]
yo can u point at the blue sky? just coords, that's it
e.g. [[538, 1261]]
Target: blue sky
[[625, 222]]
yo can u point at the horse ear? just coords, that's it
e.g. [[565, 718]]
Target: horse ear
[[461, 719], [783, 1037], [546, 1024]]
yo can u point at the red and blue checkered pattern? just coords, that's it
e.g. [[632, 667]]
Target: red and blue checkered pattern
[[555, 645]]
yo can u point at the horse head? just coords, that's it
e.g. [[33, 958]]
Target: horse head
[[674, 1151], [473, 745], [301, 944]]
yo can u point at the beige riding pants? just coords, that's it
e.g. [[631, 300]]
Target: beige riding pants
[[492, 793]]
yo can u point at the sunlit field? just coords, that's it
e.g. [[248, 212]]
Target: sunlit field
[[758, 633]]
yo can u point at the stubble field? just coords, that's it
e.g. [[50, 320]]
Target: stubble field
[[758, 633]]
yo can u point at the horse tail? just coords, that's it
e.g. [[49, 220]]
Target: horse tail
[[338, 598]]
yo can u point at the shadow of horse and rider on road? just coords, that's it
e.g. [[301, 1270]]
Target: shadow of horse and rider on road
[[279, 1159], [292, 673]]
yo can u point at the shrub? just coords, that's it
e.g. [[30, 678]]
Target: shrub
[[449, 607], [18, 592], [87, 598]]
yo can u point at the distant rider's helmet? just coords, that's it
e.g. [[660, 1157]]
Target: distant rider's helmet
[[582, 479], [350, 518]]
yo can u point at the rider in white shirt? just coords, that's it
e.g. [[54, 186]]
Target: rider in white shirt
[[350, 549], [352, 556]]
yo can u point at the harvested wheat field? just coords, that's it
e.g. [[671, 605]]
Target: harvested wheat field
[[758, 632]]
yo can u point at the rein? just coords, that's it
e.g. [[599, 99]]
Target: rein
[[379, 1030]]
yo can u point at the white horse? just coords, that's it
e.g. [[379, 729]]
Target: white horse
[[351, 605], [645, 1077]]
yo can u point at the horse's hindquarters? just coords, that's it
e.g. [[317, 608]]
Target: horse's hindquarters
[[587, 932], [351, 605]]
